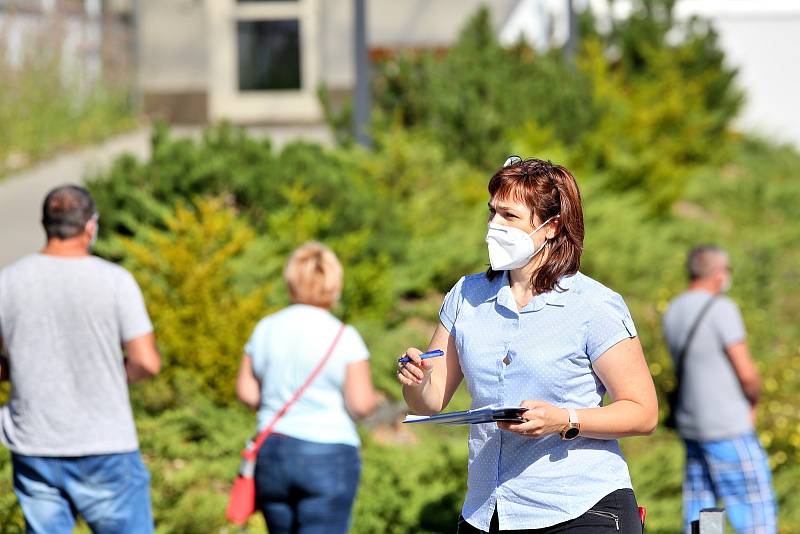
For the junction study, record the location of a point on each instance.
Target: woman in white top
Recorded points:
(307, 470)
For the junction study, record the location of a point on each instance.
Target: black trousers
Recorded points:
(617, 512)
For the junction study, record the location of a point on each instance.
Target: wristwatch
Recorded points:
(573, 428)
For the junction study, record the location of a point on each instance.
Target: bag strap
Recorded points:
(252, 451)
(679, 364)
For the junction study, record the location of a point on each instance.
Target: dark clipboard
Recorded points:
(486, 414)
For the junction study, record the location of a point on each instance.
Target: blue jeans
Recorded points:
(304, 487)
(110, 491)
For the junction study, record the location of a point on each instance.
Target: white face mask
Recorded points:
(511, 248)
(726, 285)
(93, 240)
(94, 237)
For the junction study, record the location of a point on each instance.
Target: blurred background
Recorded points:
(217, 135)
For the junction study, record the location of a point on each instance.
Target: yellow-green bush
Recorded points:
(185, 273)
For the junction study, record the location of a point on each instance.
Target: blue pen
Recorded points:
(425, 355)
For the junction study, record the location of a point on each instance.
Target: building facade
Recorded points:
(261, 61)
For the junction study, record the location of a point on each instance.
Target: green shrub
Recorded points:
(42, 110)
(11, 519)
(637, 113)
(411, 488)
(185, 274)
(368, 206)
(192, 452)
(469, 98)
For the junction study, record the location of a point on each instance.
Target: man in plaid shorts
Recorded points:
(719, 392)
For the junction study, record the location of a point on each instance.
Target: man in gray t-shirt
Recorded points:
(65, 317)
(719, 391)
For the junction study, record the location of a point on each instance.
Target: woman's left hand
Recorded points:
(541, 419)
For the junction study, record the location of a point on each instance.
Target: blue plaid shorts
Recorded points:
(736, 472)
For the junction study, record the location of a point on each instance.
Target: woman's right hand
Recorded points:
(415, 373)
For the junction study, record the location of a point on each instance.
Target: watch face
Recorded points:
(572, 433)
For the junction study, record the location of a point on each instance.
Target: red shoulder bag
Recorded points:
(242, 500)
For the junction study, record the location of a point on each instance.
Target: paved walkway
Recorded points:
(21, 195)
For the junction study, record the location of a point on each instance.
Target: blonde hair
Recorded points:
(313, 275)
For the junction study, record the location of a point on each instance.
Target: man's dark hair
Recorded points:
(66, 211)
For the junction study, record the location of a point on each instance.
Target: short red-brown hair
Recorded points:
(549, 191)
(313, 275)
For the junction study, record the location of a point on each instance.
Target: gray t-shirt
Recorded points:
(712, 405)
(63, 321)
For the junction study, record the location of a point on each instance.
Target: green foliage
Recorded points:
(384, 343)
(42, 110)
(468, 111)
(643, 121)
(656, 467)
(185, 274)
(370, 207)
(651, 39)
(191, 450)
(11, 519)
(666, 106)
(426, 484)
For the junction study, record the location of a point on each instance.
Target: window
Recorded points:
(269, 54)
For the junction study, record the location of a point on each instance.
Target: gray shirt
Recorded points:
(712, 405)
(63, 321)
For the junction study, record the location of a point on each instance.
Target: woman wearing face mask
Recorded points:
(534, 331)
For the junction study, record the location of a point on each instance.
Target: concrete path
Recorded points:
(21, 195)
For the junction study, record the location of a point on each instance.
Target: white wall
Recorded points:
(173, 45)
(762, 43)
(77, 37)
(760, 39)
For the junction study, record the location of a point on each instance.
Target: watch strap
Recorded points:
(572, 428)
(573, 417)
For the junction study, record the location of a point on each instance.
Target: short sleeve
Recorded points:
(250, 346)
(728, 322)
(449, 310)
(251, 349)
(610, 323)
(352, 346)
(131, 310)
